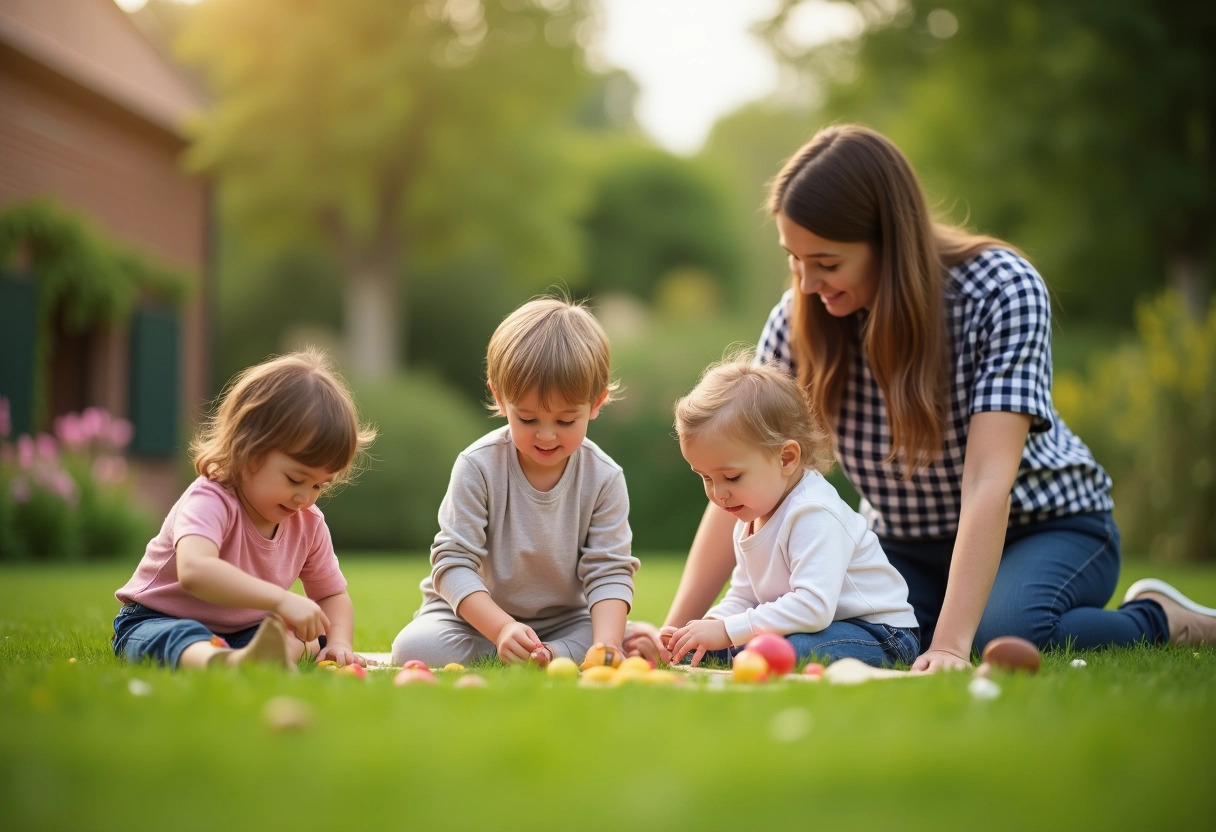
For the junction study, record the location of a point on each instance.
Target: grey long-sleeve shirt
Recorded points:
(542, 555)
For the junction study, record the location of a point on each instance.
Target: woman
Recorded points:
(927, 350)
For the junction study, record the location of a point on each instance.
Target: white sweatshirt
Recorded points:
(812, 563)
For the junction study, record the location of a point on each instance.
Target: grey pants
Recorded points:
(438, 636)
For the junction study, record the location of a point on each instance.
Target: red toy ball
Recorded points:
(777, 651)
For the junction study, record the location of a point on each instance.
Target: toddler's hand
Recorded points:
(516, 642)
(303, 615)
(642, 639)
(343, 655)
(702, 635)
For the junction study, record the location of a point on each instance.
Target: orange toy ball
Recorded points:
(601, 655)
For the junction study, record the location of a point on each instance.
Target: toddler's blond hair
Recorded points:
(756, 404)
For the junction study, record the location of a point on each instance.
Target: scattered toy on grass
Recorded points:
(777, 651)
(601, 655)
(1012, 653)
(749, 667)
(286, 713)
(354, 669)
(982, 687)
(413, 675)
(562, 668)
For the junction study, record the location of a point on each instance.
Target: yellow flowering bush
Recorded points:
(1148, 411)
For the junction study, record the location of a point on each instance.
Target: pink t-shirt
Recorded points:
(301, 549)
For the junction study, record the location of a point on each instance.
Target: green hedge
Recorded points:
(656, 366)
(393, 503)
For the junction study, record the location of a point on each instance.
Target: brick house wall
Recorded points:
(91, 115)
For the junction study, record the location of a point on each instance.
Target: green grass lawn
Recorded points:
(1129, 741)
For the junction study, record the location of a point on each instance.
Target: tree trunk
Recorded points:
(1187, 273)
(373, 328)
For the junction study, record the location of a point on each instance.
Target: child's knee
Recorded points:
(437, 644)
(409, 645)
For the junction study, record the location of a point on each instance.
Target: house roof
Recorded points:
(94, 44)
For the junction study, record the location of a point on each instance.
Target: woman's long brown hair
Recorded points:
(850, 184)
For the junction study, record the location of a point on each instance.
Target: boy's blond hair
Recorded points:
(756, 404)
(296, 404)
(551, 345)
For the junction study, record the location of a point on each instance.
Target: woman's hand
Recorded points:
(933, 660)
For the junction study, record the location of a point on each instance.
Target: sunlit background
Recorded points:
(186, 188)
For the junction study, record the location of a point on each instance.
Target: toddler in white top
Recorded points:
(806, 565)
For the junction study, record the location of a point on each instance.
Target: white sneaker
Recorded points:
(1190, 623)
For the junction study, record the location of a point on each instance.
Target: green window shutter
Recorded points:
(155, 347)
(18, 337)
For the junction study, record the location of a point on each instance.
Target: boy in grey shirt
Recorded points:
(532, 559)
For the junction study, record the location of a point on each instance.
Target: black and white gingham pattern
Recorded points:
(999, 315)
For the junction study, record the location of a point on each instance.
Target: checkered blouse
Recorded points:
(999, 315)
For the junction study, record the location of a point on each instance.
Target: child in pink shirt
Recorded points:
(213, 587)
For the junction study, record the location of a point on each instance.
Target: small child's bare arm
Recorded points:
(204, 575)
(516, 641)
(339, 637)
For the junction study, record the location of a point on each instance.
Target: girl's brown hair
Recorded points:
(850, 184)
(755, 404)
(296, 404)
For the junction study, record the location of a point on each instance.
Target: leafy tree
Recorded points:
(398, 135)
(653, 213)
(746, 149)
(1084, 131)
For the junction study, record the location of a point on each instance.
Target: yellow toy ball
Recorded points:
(563, 668)
(597, 675)
(748, 666)
(601, 655)
(637, 663)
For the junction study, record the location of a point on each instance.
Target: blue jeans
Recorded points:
(1054, 579)
(141, 632)
(878, 645)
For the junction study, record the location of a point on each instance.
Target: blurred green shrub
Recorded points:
(394, 502)
(659, 359)
(1148, 411)
(651, 213)
(66, 496)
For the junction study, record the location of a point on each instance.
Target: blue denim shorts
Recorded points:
(878, 645)
(143, 633)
